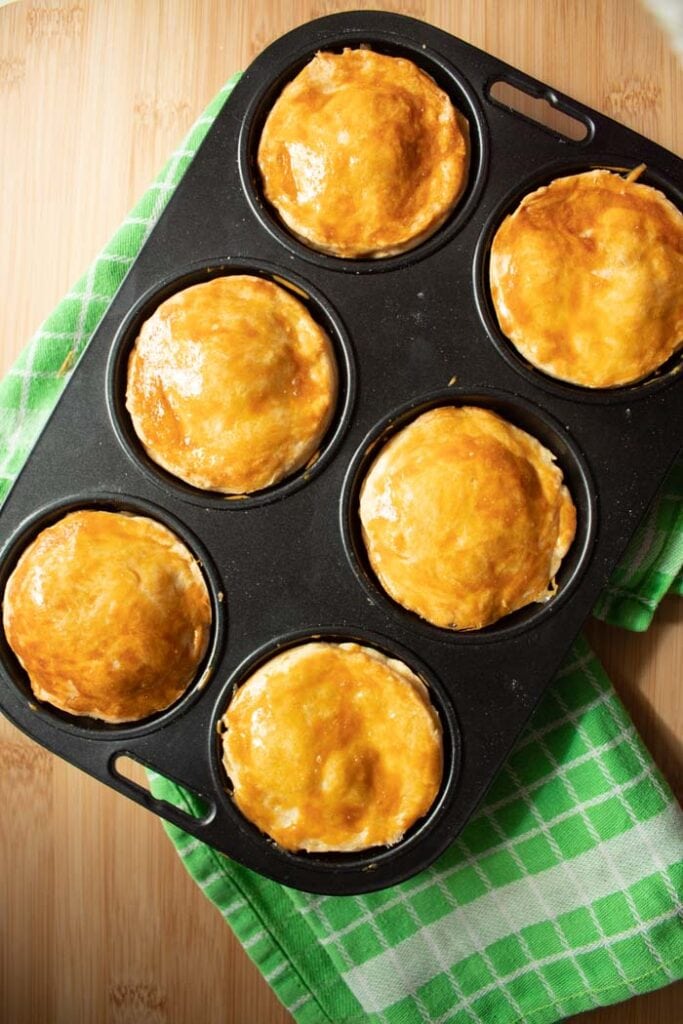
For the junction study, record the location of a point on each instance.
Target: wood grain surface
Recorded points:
(99, 924)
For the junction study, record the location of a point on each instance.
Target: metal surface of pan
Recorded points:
(285, 565)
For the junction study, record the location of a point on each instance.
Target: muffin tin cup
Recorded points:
(82, 725)
(521, 414)
(653, 382)
(198, 273)
(286, 66)
(419, 842)
(289, 559)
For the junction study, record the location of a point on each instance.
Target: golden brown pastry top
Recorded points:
(333, 747)
(587, 279)
(109, 615)
(232, 384)
(465, 517)
(363, 154)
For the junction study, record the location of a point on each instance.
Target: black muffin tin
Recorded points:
(410, 332)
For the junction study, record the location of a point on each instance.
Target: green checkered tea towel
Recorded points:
(564, 891)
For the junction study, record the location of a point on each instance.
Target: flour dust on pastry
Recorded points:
(108, 614)
(587, 279)
(465, 518)
(363, 155)
(333, 747)
(232, 384)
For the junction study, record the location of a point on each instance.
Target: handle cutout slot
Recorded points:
(542, 108)
(136, 776)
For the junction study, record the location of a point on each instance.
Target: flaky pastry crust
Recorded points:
(232, 384)
(333, 747)
(363, 155)
(109, 615)
(587, 279)
(465, 517)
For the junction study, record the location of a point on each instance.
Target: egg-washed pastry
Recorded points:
(333, 747)
(108, 614)
(232, 384)
(587, 279)
(465, 517)
(363, 155)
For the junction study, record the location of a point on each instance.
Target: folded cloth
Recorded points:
(563, 892)
(651, 567)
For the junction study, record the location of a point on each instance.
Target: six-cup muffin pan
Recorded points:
(411, 332)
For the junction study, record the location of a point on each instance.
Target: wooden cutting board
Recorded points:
(99, 924)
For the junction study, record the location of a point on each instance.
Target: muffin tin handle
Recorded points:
(137, 791)
(565, 116)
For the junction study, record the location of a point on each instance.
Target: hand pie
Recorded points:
(587, 279)
(333, 747)
(232, 385)
(108, 614)
(465, 518)
(363, 154)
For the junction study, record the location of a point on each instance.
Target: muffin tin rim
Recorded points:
(126, 504)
